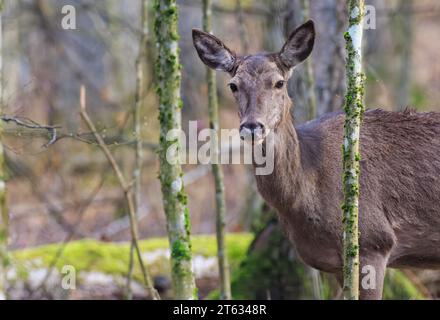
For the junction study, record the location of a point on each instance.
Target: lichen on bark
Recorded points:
(354, 109)
(168, 77)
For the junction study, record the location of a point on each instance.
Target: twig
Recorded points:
(33, 125)
(126, 187)
(128, 293)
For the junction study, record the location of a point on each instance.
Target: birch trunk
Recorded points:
(168, 79)
(223, 265)
(353, 114)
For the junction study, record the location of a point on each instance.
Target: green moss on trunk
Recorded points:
(168, 78)
(354, 109)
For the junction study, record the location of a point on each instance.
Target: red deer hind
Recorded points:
(400, 168)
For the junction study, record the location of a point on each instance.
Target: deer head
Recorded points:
(258, 81)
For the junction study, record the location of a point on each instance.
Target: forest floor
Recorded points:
(100, 268)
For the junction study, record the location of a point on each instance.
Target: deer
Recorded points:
(399, 205)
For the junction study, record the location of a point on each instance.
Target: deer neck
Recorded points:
(285, 187)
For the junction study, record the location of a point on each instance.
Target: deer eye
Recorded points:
(233, 87)
(279, 84)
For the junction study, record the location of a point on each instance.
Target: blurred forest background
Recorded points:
(66, 191)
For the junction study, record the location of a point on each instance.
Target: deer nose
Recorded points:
(254, 130)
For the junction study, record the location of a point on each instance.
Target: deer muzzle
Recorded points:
(253, 132)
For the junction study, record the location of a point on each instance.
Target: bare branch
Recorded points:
(127, 192)
(27, 123)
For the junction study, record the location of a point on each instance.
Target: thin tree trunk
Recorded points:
(308, 74)
(168, 79)
(223, 265)
(309, 81)
(4, 216)
(329, 60)
(241, 26)
(137, 125)
(117, 48)
(354, 109)
(404, 28)
(139, 104)
(128, 292)
(302, 86)
(274, 38)
(151, 48)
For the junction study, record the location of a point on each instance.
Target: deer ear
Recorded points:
(213, 52)
(299, 45)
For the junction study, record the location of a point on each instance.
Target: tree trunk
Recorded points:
(328, 54)
(241, 26)
(404, 31)
(223, 265)
(114, 8)
(309, 79)
(302, 84)
(141, 86)
(168, 79)
(137, 126)
(354, 109)
(4, 216)
(274, 38)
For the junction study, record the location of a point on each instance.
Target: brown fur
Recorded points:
(400, 193)
(399, 187)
